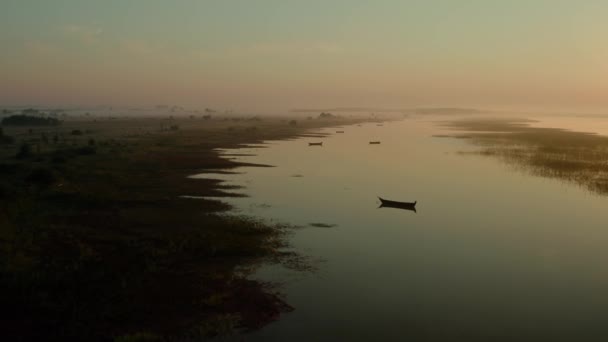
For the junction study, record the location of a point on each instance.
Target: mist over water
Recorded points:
(492, 253)
(468, 207)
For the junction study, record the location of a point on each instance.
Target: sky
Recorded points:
(276, 55)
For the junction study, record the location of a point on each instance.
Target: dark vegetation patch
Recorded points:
(322, 225)
(28, 120)
(5, 139)
(97, 245)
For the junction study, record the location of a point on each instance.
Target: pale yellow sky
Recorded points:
(275, 55)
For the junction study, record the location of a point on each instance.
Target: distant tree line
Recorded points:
(27, 120)
(326, 115)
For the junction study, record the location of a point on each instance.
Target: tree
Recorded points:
(27, 120)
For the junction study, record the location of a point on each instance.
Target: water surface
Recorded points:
(492, 253)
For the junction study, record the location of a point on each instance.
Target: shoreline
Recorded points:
(109, 229)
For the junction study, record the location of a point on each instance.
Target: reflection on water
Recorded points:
(499, 255)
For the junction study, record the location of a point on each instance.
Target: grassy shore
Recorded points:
(97, 243)
(577, 157)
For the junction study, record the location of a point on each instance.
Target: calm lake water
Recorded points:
(493, 253)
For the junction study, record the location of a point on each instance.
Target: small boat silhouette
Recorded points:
(374, 143)
(397, 205)
(339, 131)
(315, 144)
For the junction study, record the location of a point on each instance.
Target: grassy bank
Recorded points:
(96, 243)
(577, 157)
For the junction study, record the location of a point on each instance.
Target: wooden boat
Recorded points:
(374, 143)
(315, 144)
(397, 205)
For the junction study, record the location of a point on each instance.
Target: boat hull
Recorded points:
(397, 205)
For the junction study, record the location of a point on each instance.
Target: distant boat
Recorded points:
(379, 125)
(315, 144)
(374, 143)
(339, 131)
(398, 205)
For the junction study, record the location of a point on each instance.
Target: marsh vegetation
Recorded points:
(97, 241)
(577, 157)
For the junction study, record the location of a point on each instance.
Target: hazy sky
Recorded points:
(273, 55)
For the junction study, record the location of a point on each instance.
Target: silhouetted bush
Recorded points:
(25, 151)
(5, 191)
(76, 132)
(59, 159)
(26, 120)
(87, 150)
(41, 177)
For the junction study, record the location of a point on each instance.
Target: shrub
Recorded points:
(76, 132)
(25, 150)
(326, 115)
(58, 159)
(41, 177)
(87, 150)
